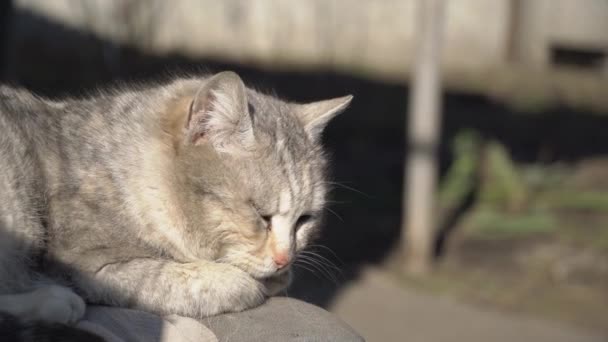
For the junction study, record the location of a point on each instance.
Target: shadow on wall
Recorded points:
(366, 143)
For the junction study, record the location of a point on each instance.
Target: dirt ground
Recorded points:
(381, 309)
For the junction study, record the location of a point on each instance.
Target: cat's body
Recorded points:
(191, 197)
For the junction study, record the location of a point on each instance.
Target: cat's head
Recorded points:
(253, 173)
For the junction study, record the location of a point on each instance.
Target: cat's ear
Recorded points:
(315, 116)
(219, 114)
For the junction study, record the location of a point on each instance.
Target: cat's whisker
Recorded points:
(335, 202)
(321, 272)
(313, 246)
(323, 260)
(328, 270)
(348, 188)
(312, 271)
(320, 258)
(324, 263)
(320, 267)
(301, 262)
(335, 214)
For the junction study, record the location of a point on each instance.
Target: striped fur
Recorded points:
(190, 197)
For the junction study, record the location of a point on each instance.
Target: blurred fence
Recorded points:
(534, 53)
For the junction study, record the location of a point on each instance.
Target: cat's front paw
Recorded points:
(233, 290)
(274, 285)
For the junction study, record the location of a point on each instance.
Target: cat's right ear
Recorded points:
(315, 116)
(219, 114)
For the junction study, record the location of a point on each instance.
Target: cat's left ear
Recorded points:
(219, 114)
(315, 116)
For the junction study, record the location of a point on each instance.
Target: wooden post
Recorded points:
(516, 31)
(423, 139)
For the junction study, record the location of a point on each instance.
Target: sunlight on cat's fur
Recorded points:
(192, 197)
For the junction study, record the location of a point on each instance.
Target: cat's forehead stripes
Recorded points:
(285, 200)
(292, 192)
(293, 178)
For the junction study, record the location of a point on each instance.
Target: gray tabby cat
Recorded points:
(192, 198)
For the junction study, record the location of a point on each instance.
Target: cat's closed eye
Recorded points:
(303, 219)
(264, 217)
(267, 221)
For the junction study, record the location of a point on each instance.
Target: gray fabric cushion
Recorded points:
(279, 319)
(124, 325)
(282, 319)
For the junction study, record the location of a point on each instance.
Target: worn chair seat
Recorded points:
(279, 319)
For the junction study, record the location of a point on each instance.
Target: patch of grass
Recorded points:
(572, 200)
(601, 240)
(488, 223)
(545, 177)
(460, 177)
(503, 186)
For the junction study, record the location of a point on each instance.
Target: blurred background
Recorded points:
(508, 236)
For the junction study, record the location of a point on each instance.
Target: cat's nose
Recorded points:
(281, 259)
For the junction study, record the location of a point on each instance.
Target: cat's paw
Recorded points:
(274, 285)
(246, 292)
(56, 304)
(220, 288)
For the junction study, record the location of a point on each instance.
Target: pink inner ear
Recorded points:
(196, 138)
(189, 118)
(195, 124)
